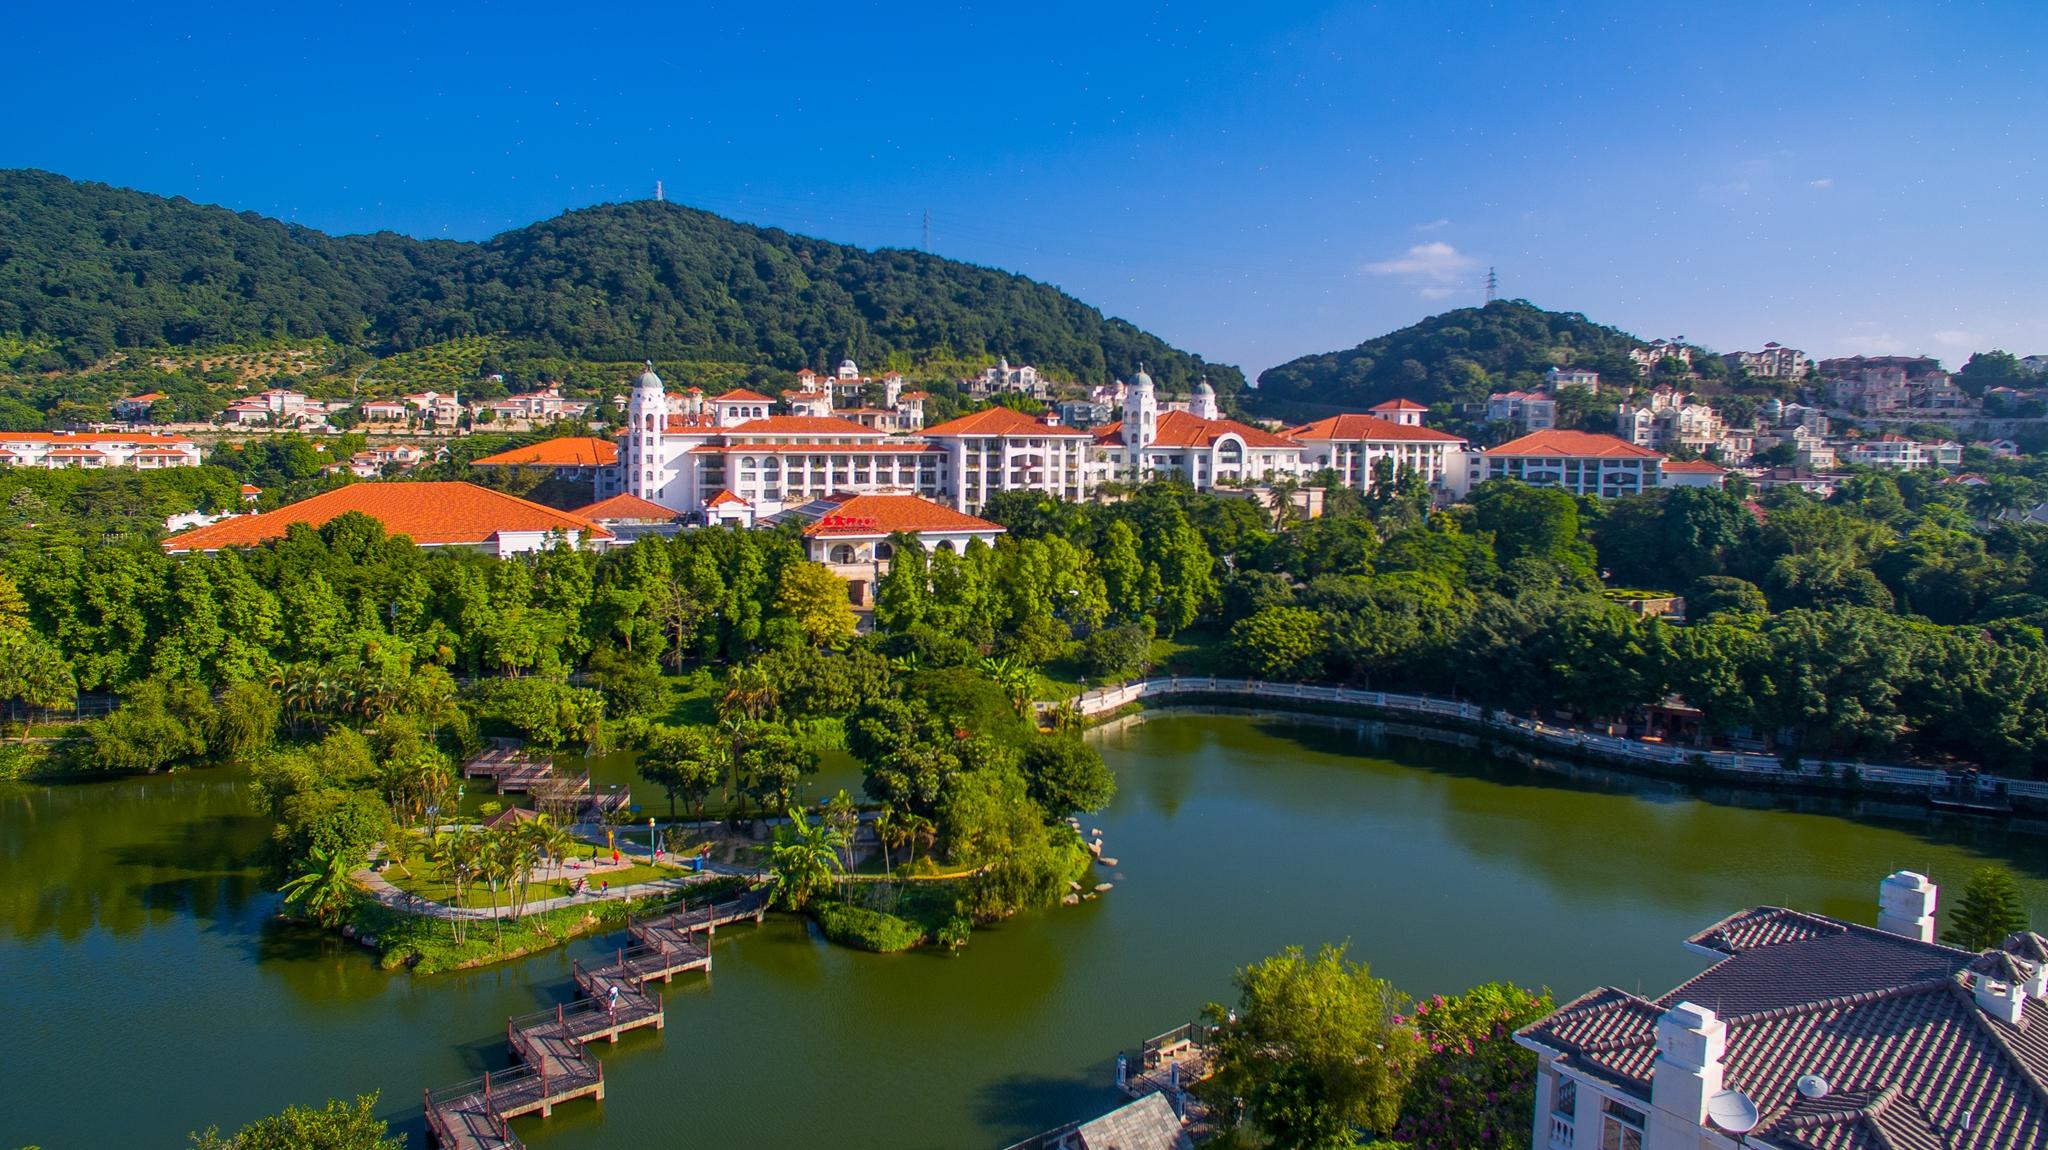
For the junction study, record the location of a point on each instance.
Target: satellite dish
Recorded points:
(1731, 1110)
(1812, 1086)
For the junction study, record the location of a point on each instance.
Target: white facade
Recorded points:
(60, 450)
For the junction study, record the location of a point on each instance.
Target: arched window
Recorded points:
(945, 545)
(885, 551)
(842, 553)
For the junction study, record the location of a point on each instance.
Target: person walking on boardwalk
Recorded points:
(615, 999)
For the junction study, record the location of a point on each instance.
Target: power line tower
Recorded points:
(1492, 285)
(657, 191)
(927, 231)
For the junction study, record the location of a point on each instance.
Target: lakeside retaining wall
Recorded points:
(1744, 766)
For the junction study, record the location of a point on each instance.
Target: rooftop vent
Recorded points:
(1812, 1086)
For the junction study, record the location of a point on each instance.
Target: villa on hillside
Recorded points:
(855, 535)
(1809, 1033)
(1578, 461)
(61, 450)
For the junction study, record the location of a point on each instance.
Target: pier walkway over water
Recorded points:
(515, 771)
(552, 1064)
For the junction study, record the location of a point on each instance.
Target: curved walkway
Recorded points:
(1767, 769)
(381, 889)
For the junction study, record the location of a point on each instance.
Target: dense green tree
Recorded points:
(1989, 909)
(336, 1126)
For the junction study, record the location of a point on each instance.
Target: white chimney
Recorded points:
(1690, 1043)
(1905, 905)
(1999, 996)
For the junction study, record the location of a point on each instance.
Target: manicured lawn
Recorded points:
(425, 884)
(1192, 652)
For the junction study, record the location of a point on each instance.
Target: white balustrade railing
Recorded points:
(1106, 699)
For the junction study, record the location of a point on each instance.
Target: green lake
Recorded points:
(152, 991)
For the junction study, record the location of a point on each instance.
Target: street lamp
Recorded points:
(652, 849)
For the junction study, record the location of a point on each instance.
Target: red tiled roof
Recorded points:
(724, 497)
(1554, 442)
(1691, 467)
(145, 397)
(741, 395)
(803, 425)
(431, 514)
(888, 514)
(569, 451)
(624, 506)
(1399, 405)
(1351, 427)
(1185, 429)
(1000, 421)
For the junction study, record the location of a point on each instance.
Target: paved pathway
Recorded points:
(383, 891)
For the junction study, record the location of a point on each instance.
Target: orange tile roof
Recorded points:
(624, 506)
(1185, 429)
(724, 497)
(999, 421)
(1577, 443)
(1352, 426)
(803, 425)
(1399, 405)
(888, 514)
(146, 397)
(431, 514)
(741, 395)
(1692, 467)
(569, 451)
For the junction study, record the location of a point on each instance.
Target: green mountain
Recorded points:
(1454, 357)
(94, 268)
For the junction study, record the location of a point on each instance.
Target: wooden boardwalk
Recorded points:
(514, 771)
(554, 1064)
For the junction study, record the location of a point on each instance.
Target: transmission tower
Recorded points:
(1492, 285)
(927, 231)
(657, 191)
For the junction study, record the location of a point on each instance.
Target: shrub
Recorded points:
(865, 929)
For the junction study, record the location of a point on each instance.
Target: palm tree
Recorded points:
(920, 829)
(555, 839)
(1015, 677)
(803, 860)
(892, 830)
(458, 857)
(750, 692)
(323, 889)
(845, 818)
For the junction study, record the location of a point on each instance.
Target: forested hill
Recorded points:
(1457, 356)
(95, 268)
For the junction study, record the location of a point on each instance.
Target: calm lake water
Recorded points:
(151, 990)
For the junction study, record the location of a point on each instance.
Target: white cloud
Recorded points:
(1436, 262)
(1823, 183)
(1433, 225)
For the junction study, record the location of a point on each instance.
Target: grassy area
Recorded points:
(1192, 652)
(428, 945)
(430, 886)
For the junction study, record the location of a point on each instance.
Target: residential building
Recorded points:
(1775, 361)
(2001, 448)
(135, 408)
(1669, 421)
(531, 407)
(277, 407)
(1562, 377)
(1526, 410)
(1148, 1123)
(435, 408)
(385, 411)
(59, 450)
(1874, 385)
(1647, 358)
(376, 461)
(1085, 413)
(855, 535)
(1580, 462)
(628, 517)
(1022, 379)
(430, 514)
(1694, 473)
(1004, 450)
(1808, 1033)
(573, 458)
(1354, 446)
(1893, 451)
(2034, 364)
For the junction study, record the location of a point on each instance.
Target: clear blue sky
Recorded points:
(1253, 181)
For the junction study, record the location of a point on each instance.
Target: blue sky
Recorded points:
(1251, 181)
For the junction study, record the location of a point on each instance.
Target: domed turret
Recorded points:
(646, 420)
(1141, 420)
(1204, 404)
